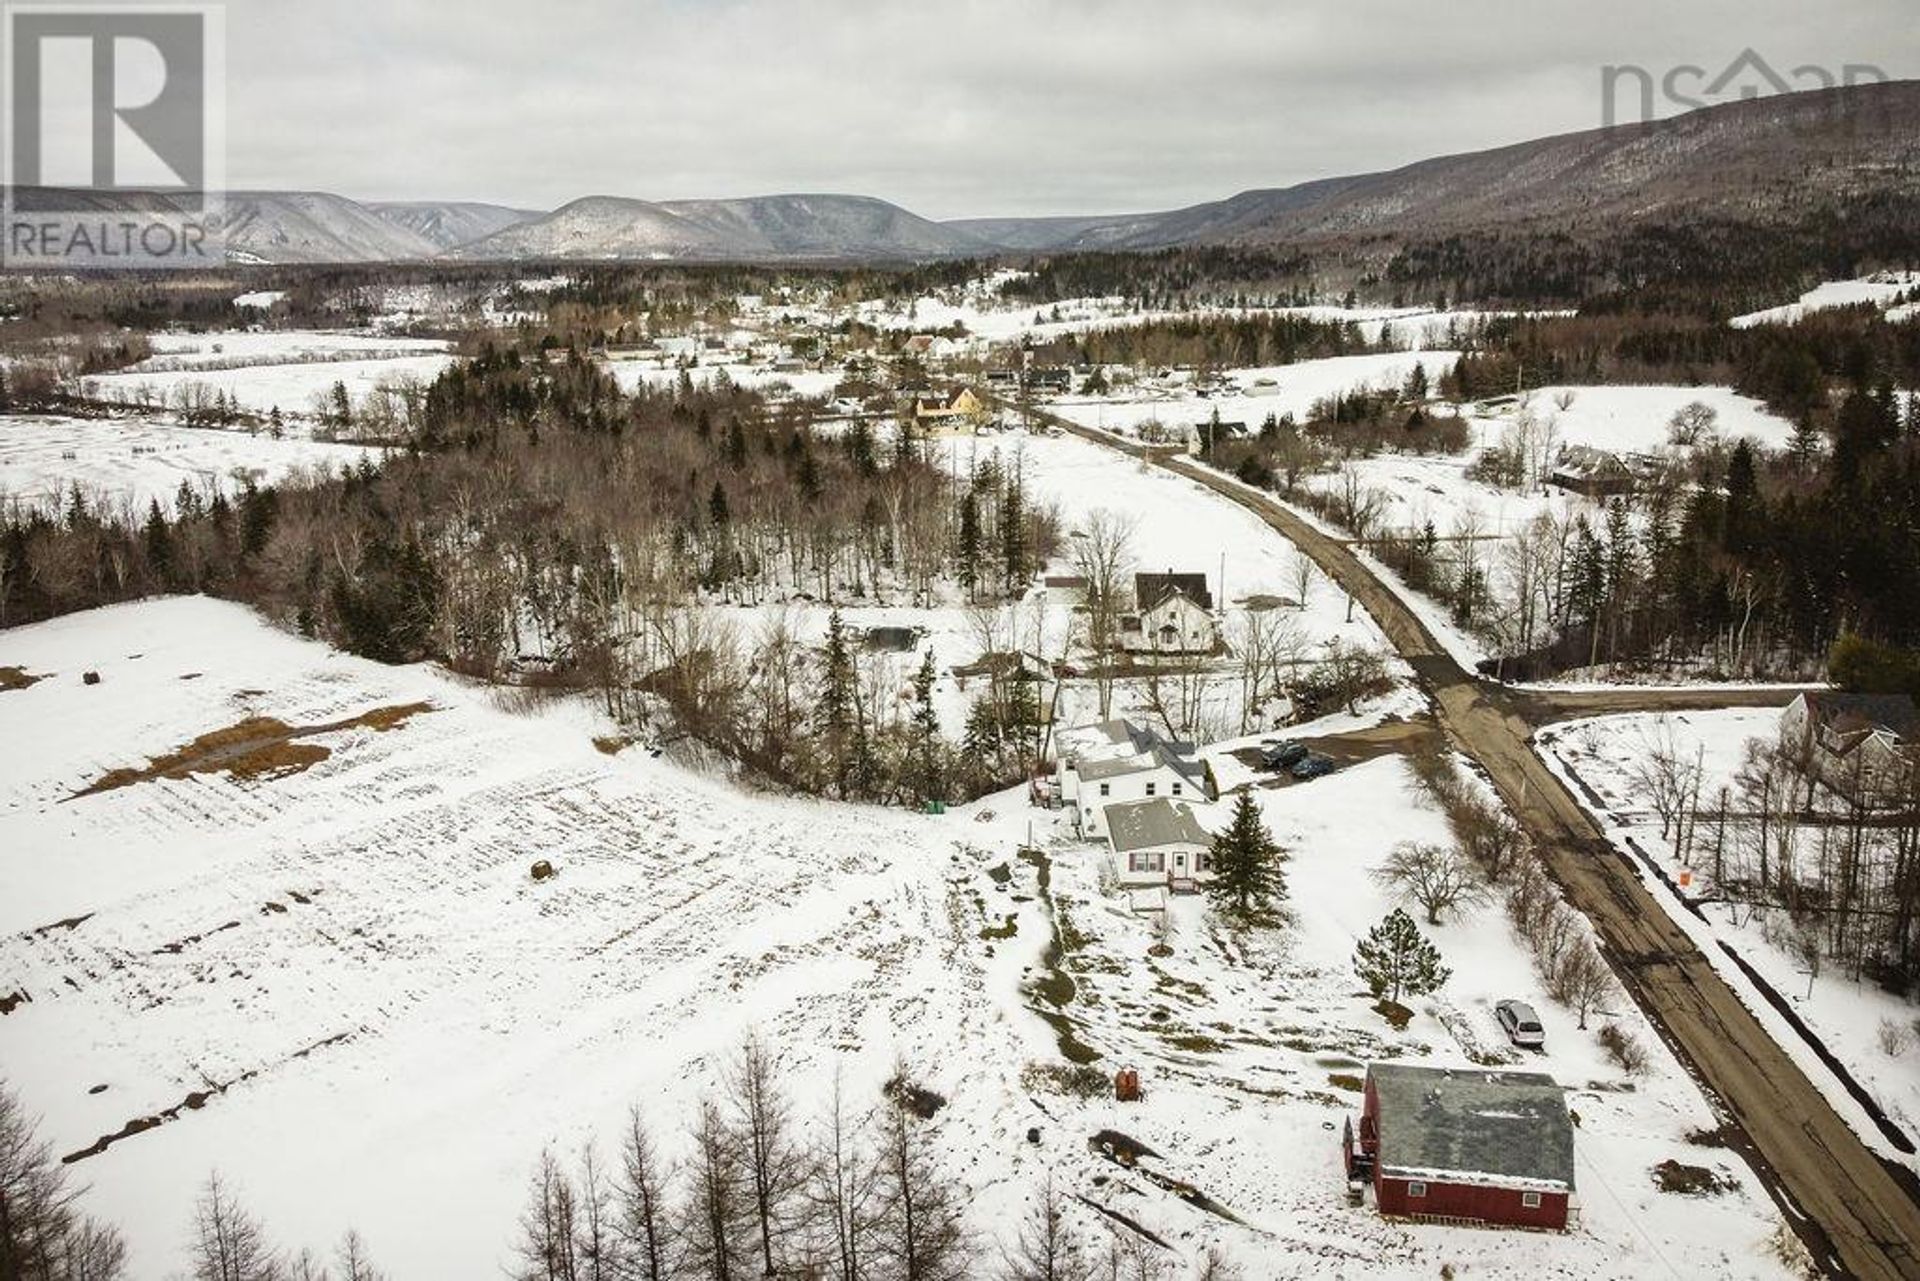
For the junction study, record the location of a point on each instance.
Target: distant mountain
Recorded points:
(448, 224)
(313, 226)
(759, 227)
(1763, 160)
(1789, 160)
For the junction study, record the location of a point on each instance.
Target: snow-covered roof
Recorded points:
(1469, 1125)
(1150, 824)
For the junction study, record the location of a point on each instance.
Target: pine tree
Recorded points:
(1396, 960)
(969, 551)
(1013, 535)
(926, 733)
(159, 542)
(836, 699)
(1248, 883)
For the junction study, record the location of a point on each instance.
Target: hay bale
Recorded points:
(90, 678)
(542, 870)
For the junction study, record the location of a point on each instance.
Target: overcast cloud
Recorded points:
(956, 109)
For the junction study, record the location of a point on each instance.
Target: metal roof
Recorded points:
(1470, 1125)
(1148, 824)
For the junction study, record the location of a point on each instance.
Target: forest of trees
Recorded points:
(540, 525)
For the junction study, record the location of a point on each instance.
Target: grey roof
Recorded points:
(1150, 589)
(1157, 756)
(1470, 1125)
(1144, 825)
(1848, 713)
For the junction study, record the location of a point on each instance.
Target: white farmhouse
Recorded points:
(1175, 616)
(1120, 761)
(1157, 843)
(1865, 742)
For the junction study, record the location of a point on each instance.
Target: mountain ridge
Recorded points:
(1760, 161)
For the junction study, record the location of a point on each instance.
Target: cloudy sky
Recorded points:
(962, 108)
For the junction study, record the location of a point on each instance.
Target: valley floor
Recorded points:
(333, 974)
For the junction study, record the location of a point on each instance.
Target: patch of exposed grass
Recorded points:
(1394, 1013)
(1005, 930)
(259, 747)
(613, 744)
(1000, 873)
(1690, 1180)
(1196, 1043)
(17, 678)
(1346, 1081)
(1074, 1079)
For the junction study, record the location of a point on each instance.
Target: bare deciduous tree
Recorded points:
(773, 1165)
(228, 1243)
(1047, 1248)
(1437, 877)
(645, 1222)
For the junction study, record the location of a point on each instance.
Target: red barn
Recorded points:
(1464, 1145)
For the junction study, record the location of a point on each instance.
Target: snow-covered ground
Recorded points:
(264, 370)
(1599, 754)
(136, 460)
(1625, 419)
(292, 388)
(1878, 289)
(173, 350)
(389, 1018)
(1178, 525)
(1278, 390)
(634, 373)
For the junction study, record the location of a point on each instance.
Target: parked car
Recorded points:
(1282, 754)
(1313, 765)
(1521, 1024)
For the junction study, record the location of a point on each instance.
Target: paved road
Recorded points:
(1859, 1215)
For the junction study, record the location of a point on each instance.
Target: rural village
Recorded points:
(1035, 763)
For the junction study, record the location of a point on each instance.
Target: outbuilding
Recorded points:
(1464, 1145)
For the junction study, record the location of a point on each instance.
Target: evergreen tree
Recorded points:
(836, 700)
(1248, 884)
(1396, 960)
(926, 733)
(969, 550)
(159, 543)
(1013, 535)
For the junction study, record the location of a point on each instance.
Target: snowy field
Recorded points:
(1179, 525)
(223, 348)
(292, 388)
(1634, 419)
(1278, 390)
(266, 370)
(137, 460)
(1877, 290)
(630, 374)
(1846, 1015)
(387, 1018)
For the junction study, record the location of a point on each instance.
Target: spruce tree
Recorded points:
(1248, 883)
(836, 699)
(1396, 960)
(969, 552)
(926, 732)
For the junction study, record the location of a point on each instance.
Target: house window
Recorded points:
(1150, 787)
(1199, 861)
(1176, 789)
(1416, 1189)
(1106, 789)
(1530, 1200)
(1146, 861)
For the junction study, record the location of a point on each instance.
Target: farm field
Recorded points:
(134, 461)
(344, 954)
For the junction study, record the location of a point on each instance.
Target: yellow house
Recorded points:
(958, 411)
